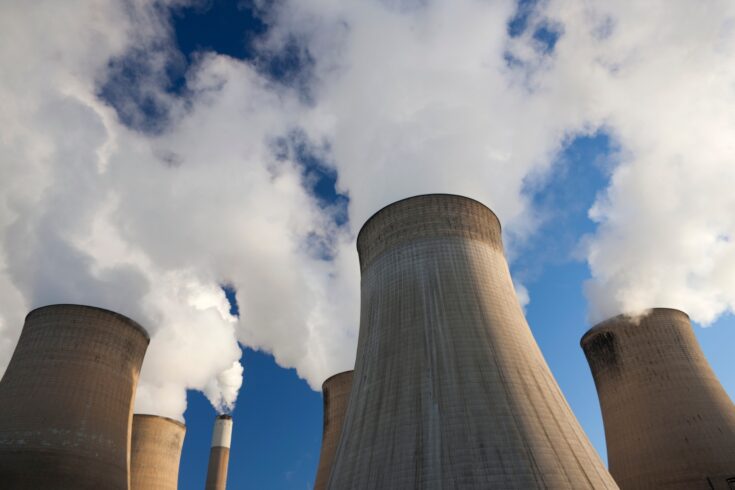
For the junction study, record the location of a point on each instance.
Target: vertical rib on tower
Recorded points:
(450, 389)
(155, 452)
(219, 455)
(66, 400)
(336, 392)
(668, 421)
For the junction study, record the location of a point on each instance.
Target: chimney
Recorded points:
(66, 400)
(219, 455)
(155, 452)
(336, 392)
(668, 421)
(450, 389)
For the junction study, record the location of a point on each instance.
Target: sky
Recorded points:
(204, 167)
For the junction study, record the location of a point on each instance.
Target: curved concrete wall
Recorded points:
(66, 400)
(155, 452)
(336, 392)
(450, 389)
(668, 421)
(219, 454)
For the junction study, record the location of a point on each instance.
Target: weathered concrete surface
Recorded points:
(336, 393)
(219, 455)
(66, 400)
(668, 421)
(155, 452)
(450, 390)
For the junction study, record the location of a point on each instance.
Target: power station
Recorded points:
(668, 421)
(450, 389)
(66, 400)
(336, 392)
(155, 452)
(219, 454)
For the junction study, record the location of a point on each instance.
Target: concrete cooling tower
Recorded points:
(450, 390)
(66, 400)
(155, 452)
(336, 392)
(668, 421)
(219, 455)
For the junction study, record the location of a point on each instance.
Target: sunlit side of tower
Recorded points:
(450, 389)
(66, 400)
(155, 452)
(219, 455)
(668, 421)
(336, 392)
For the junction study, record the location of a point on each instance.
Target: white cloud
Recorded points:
(402, 98)
(662, 77)
(151, 225)
(421, 99)
(225, 387)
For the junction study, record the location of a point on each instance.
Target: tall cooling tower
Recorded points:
(450, 389)
(155, 452)
(668, 421)
(336, 392)
(66, 400)
(219, 455)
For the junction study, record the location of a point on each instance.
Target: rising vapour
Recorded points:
(103, 204)
(223, 389)
(661, 76)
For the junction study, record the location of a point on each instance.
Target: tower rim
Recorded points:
(612, 322)
(427, 216)
(335, 375)
(373, 217)
(120, 316)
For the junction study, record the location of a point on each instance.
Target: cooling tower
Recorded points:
(66, 400)
(450, 389)
(155, 452)
(668, 421)
(336, 392)
(219, 455)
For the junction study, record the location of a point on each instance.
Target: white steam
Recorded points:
(399, 98)
(662, 78)
(417, 97)
(224, 388)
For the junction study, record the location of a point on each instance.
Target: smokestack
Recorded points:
(668, 421)
(155, 452)
(219, 456)
(336, 392)
(66, 400)
(450, 389)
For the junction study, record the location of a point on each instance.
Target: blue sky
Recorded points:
(277, 427)
(156, 155)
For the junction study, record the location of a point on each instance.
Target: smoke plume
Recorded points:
(661, 75)
(143, 199)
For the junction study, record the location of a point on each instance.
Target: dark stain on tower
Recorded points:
(668, 421)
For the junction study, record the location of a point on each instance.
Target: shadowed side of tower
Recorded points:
(450, 390)
(155, 452)
(336, 392)
(66, 400)
(668, 421)
(219, 455)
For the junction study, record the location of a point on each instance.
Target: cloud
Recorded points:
(118, 192)
(661, 75)
(65, 160)
(225, 387)
(101, 208)
(430, 104)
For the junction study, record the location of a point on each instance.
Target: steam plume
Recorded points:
(148, 216)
